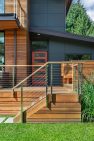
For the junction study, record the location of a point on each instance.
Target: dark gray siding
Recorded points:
(47, 14)
(58, 49)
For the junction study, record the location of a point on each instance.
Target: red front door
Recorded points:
(39, 58)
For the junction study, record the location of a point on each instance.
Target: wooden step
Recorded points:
(52, 120)
(66, 105)
(15, 104)
(61, 108)
(8, 113)
(58, 111)
(65, 98)
(31, 94)
(10, 108)
(16, 99)
(56, 116)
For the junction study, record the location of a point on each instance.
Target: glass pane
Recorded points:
(39, 54)
(39, 45)
(1, 6)
(39, 61)
(1, 37)
(2, 49)
(69, 57)
(1, 59)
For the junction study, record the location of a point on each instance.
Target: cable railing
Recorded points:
(44, 81)
(82, 72)
(11, 75)
(32, 83)
(15, 7)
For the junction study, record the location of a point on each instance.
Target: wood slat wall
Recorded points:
(9, 47)
(9, 5)
(21, 52)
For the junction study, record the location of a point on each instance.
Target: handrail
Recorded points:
(20, 65)
(28, 77)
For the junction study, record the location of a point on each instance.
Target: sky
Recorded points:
(89, 5)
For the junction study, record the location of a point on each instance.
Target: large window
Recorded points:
(69, 57)
(39, 45)
(1, 48)
(2, 6)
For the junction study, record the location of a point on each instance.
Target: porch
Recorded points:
(35, 90)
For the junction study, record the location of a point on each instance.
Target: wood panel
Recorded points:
(10, 104)
(6, 24)
(21, 53)
(9, 6)
(9, 47)
(66, 108)
(67, 70)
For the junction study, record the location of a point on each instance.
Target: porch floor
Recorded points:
(56, 89)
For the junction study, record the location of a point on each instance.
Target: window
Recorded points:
(1, 48)
(39, 45)
(69, 57)
(1, 6)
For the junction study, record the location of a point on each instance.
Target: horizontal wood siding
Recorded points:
(9, 6)
(21, 53)
(9, 47)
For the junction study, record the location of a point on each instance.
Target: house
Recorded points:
(32, 33)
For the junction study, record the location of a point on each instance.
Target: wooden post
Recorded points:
(22, 118)
(13, 76)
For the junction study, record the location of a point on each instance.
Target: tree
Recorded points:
(78, 22)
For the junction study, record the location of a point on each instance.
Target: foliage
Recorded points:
(87, 100)
(78, 22)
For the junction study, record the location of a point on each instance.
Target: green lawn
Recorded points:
(47, 132)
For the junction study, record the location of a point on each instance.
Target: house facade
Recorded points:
(28, 27)
(33, 32)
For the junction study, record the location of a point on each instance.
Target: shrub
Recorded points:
(87, 100)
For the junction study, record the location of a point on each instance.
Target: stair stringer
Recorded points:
(32, 109)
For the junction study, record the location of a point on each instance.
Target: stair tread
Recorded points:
(75, 115)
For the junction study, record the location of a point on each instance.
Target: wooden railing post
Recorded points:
(13, 76)
(22, 116)
(79, 79)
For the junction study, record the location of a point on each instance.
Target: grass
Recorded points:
(47, 132)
